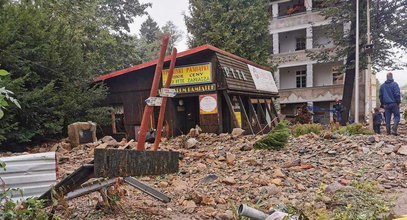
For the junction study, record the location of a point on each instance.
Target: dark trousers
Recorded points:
(376, 128)
(389, 110)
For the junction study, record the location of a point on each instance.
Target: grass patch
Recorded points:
(353, 129)
(302, 129)
(276, 139)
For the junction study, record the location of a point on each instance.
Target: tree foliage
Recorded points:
(237, 26)
(53, 50)
(151, 36)
(388, 31)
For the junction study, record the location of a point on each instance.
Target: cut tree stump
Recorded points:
(124, 163)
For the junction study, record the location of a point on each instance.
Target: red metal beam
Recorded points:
(164, 103)
(148, 110)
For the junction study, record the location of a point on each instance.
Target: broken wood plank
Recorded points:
(230, 107)
(147, 189)
(127, 145)
(123, 163)
(70, 183)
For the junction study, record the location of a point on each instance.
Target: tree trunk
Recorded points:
(350, 72)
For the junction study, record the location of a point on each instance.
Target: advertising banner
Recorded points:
(189, 75)
(208, 104)
(263, 79)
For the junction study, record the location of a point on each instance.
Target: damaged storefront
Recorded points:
(215, 90)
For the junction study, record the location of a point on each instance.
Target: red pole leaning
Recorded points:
(164, 103)
(153, 93)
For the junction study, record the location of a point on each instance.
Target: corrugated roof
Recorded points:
(32, 174)
(179, 55)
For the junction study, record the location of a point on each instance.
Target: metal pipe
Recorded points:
(251, 213)
(357, 65)
(164, 103)
(369, 104)
(148, 110)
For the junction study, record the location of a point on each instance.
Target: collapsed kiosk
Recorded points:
(216, 90)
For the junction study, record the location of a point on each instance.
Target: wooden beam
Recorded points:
(270, 113)
(255, 114)
(262, 111)
(230, 107)
(273, 109)
(245, 114)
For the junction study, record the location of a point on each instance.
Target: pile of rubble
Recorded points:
(219, 172)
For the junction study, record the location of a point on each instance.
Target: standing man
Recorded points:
(390, 100)
(339, 109)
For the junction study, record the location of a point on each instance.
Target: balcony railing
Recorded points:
(311, 94)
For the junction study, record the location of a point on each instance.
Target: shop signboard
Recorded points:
(195, 88)
(189, 75)
(208, 104)
(263, 79)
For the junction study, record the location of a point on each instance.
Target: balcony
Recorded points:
(311, 94)
(295, 21)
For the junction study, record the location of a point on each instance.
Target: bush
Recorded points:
(301, 129)
(353, 129)
(276, 139)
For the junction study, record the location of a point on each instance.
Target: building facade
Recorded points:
(297, 30)
(216, 90)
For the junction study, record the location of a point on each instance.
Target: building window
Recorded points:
(337, 76)
(301, 77)
(300, 43)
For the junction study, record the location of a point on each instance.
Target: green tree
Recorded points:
(388, 32)
(237, 26)
(149, 30)
(54, 49)
(148, 50)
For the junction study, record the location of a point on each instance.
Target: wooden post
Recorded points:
(245, 114)
(255, 114)
(269, 111)
(230, 107)
(148, 110)
(262, 111)
(164, 103)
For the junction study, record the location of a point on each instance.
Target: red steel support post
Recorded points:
(164, 103)
(148, 110)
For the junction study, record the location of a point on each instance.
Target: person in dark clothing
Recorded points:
(339, 109)
(390, 99)
(377, 120)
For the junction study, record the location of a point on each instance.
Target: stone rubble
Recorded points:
(219, 172)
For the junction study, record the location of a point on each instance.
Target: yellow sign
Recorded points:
(239, 118)
(189, 75)
(196, 88)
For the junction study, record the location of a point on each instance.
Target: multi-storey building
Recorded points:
(297, 29)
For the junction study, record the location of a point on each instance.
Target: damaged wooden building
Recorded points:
(216, 90)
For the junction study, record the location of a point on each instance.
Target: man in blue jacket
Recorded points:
(390, 100)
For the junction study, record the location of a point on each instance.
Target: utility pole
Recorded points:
(357, 65)
(368, 87)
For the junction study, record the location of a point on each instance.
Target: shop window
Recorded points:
(301, 78)
(338, 76)
(118, 120)
(300, 43)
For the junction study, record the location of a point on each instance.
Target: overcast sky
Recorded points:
(172, 10)
(163, 11)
